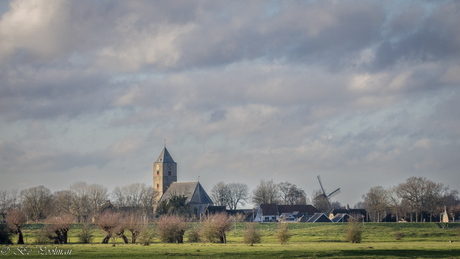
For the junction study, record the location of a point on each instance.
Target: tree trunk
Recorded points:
(106, 239)
(20, 238)
(223, 238)
(125, 239)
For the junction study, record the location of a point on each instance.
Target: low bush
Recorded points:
(171, 229)
(5, 235)
(194, 235)
(42, 236)
(215, 227)
(86, 234)
(398, 235)
(145, 237)
(282, 234)
(251, 235)
(354, 232)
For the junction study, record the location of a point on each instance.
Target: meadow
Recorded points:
(420, 240)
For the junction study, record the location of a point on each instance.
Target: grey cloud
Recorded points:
(48, 92)
(434, 39)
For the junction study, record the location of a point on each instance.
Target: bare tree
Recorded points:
(80, 205)
(134, 224)
(62, 202)
(266, 192)
(239, 194)
(138, 197)
(15, 219)
(220, 194)
(421, 194)
(230, 195)
(8, 200)
(171, 228)
(147, 197)
(433, 197)
(394, 203)
(290, 194)
(320, 202)
(377, 200)
(108, 222)
(37, 202)
(60, 226)
(360, 205)
(97, 196)
(452, 202)
(215, 227)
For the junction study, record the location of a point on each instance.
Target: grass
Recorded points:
(421, 240)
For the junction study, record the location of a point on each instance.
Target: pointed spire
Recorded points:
(165, 157)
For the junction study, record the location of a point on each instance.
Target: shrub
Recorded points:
(194, 235)
(282, 234)
(5, 235)
(354, 232)
(109, 222)
(251, 235)
(145, 237)
(398, 235)
(86, 234)
(15, 220)
(59, 227)
(42, 236)
(171, 229)
(215, 227)
(134, 225)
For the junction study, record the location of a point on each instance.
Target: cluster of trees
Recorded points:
(83, 201)
(410, 199)
(230, 195)
(284, 193)
(267, 192)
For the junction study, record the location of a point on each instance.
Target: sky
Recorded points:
(362, 93)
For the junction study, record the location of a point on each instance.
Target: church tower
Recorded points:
(164, 173)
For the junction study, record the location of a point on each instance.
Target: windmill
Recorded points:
(327, 196)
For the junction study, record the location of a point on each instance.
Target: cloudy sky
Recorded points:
(363, 93)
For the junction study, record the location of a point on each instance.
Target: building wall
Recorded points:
(164, 174)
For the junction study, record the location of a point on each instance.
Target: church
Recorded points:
(166, 185)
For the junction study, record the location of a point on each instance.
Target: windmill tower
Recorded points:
(328, 196)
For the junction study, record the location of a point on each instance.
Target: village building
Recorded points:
(291, 213)
(359, 214)
(165, 185)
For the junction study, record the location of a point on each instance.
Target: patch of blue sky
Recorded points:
(272, 8)
(133, 77)
(4, 7)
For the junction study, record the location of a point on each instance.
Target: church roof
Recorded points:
(193, 190)
(165, 157)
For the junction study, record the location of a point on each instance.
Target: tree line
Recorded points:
(81, 200)
(410, 199)
(267, 192)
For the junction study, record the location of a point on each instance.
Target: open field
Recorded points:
(421, 240)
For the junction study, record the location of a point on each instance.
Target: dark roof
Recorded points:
(193, 190)
(165, 157)
(341, 217)
(309, 209)
(107, 207)
(349, 211)
(269, 209)
(216, 209)
(319, 217)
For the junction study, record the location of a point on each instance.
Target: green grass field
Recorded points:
(421, 240)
